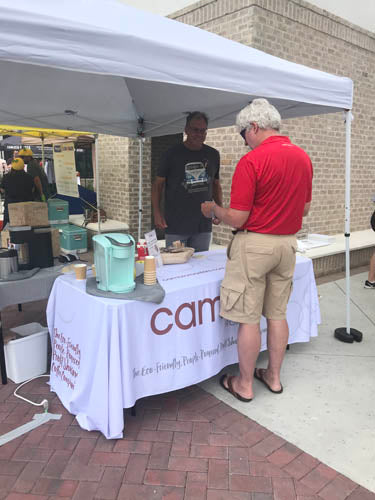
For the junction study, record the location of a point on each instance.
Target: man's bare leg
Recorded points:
(371, 273)
(277, 340)
(248, 346)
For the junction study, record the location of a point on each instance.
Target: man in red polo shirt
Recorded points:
(270, 194)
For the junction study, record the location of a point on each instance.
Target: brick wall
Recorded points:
(114, 181)
(299, 32)
(336, 263)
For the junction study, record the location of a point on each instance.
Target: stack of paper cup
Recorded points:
(80, 270)
(149, 275)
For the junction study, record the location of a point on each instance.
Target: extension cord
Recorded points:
(44, 403)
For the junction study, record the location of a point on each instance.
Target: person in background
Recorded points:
(9, 164)
(270, 193)
(49, 170)
(370, 282)
(3, 170)
(3, 165)
(37, 173)
(189, 172)
(17, 186)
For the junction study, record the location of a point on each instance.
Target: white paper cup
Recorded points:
(150, 263)
(80, 270)
(149, 278)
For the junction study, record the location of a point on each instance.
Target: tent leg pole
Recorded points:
(347, 334)
(348, 119)
(43, 153)
(140, 188)
(97, 181)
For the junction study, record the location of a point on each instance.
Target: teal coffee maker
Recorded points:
(114, 262)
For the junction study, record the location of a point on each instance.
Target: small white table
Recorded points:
(109, 353)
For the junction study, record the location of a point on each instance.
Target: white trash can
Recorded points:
(26, 357)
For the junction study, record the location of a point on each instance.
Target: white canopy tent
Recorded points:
(102, 66)
(99, 65)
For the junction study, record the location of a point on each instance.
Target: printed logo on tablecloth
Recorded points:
(66, 359)
(163, 318)
(183, 317)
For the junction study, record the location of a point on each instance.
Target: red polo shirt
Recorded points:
(273, 182)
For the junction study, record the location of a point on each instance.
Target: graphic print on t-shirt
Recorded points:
(196, 176)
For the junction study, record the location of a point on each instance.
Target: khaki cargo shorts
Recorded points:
(258, 277)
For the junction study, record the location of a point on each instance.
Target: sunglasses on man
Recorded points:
(247, 129)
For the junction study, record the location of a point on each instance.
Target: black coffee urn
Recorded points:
(35, 248)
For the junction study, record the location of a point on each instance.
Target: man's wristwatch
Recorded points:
(213, 216)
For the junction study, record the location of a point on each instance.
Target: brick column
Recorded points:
(119, 180)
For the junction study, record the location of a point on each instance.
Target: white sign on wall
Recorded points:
(65, 169)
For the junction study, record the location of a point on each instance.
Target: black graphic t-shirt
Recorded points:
(189, 177)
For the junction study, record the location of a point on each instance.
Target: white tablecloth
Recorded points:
(108, 353)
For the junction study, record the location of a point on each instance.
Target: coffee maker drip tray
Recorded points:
(20, 275)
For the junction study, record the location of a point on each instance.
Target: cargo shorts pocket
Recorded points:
(259, 250)
(232, 296)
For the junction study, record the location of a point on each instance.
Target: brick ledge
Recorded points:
(358, 240)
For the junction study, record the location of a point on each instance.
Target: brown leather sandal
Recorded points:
(258, 374)
(230, 389)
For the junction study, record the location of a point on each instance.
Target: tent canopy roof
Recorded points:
(104, 66)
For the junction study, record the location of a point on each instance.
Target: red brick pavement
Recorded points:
(184, 445)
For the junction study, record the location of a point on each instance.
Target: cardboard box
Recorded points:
(5, 239)
(29, 213)
(55, 239)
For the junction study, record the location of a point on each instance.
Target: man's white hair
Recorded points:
(261, 112)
